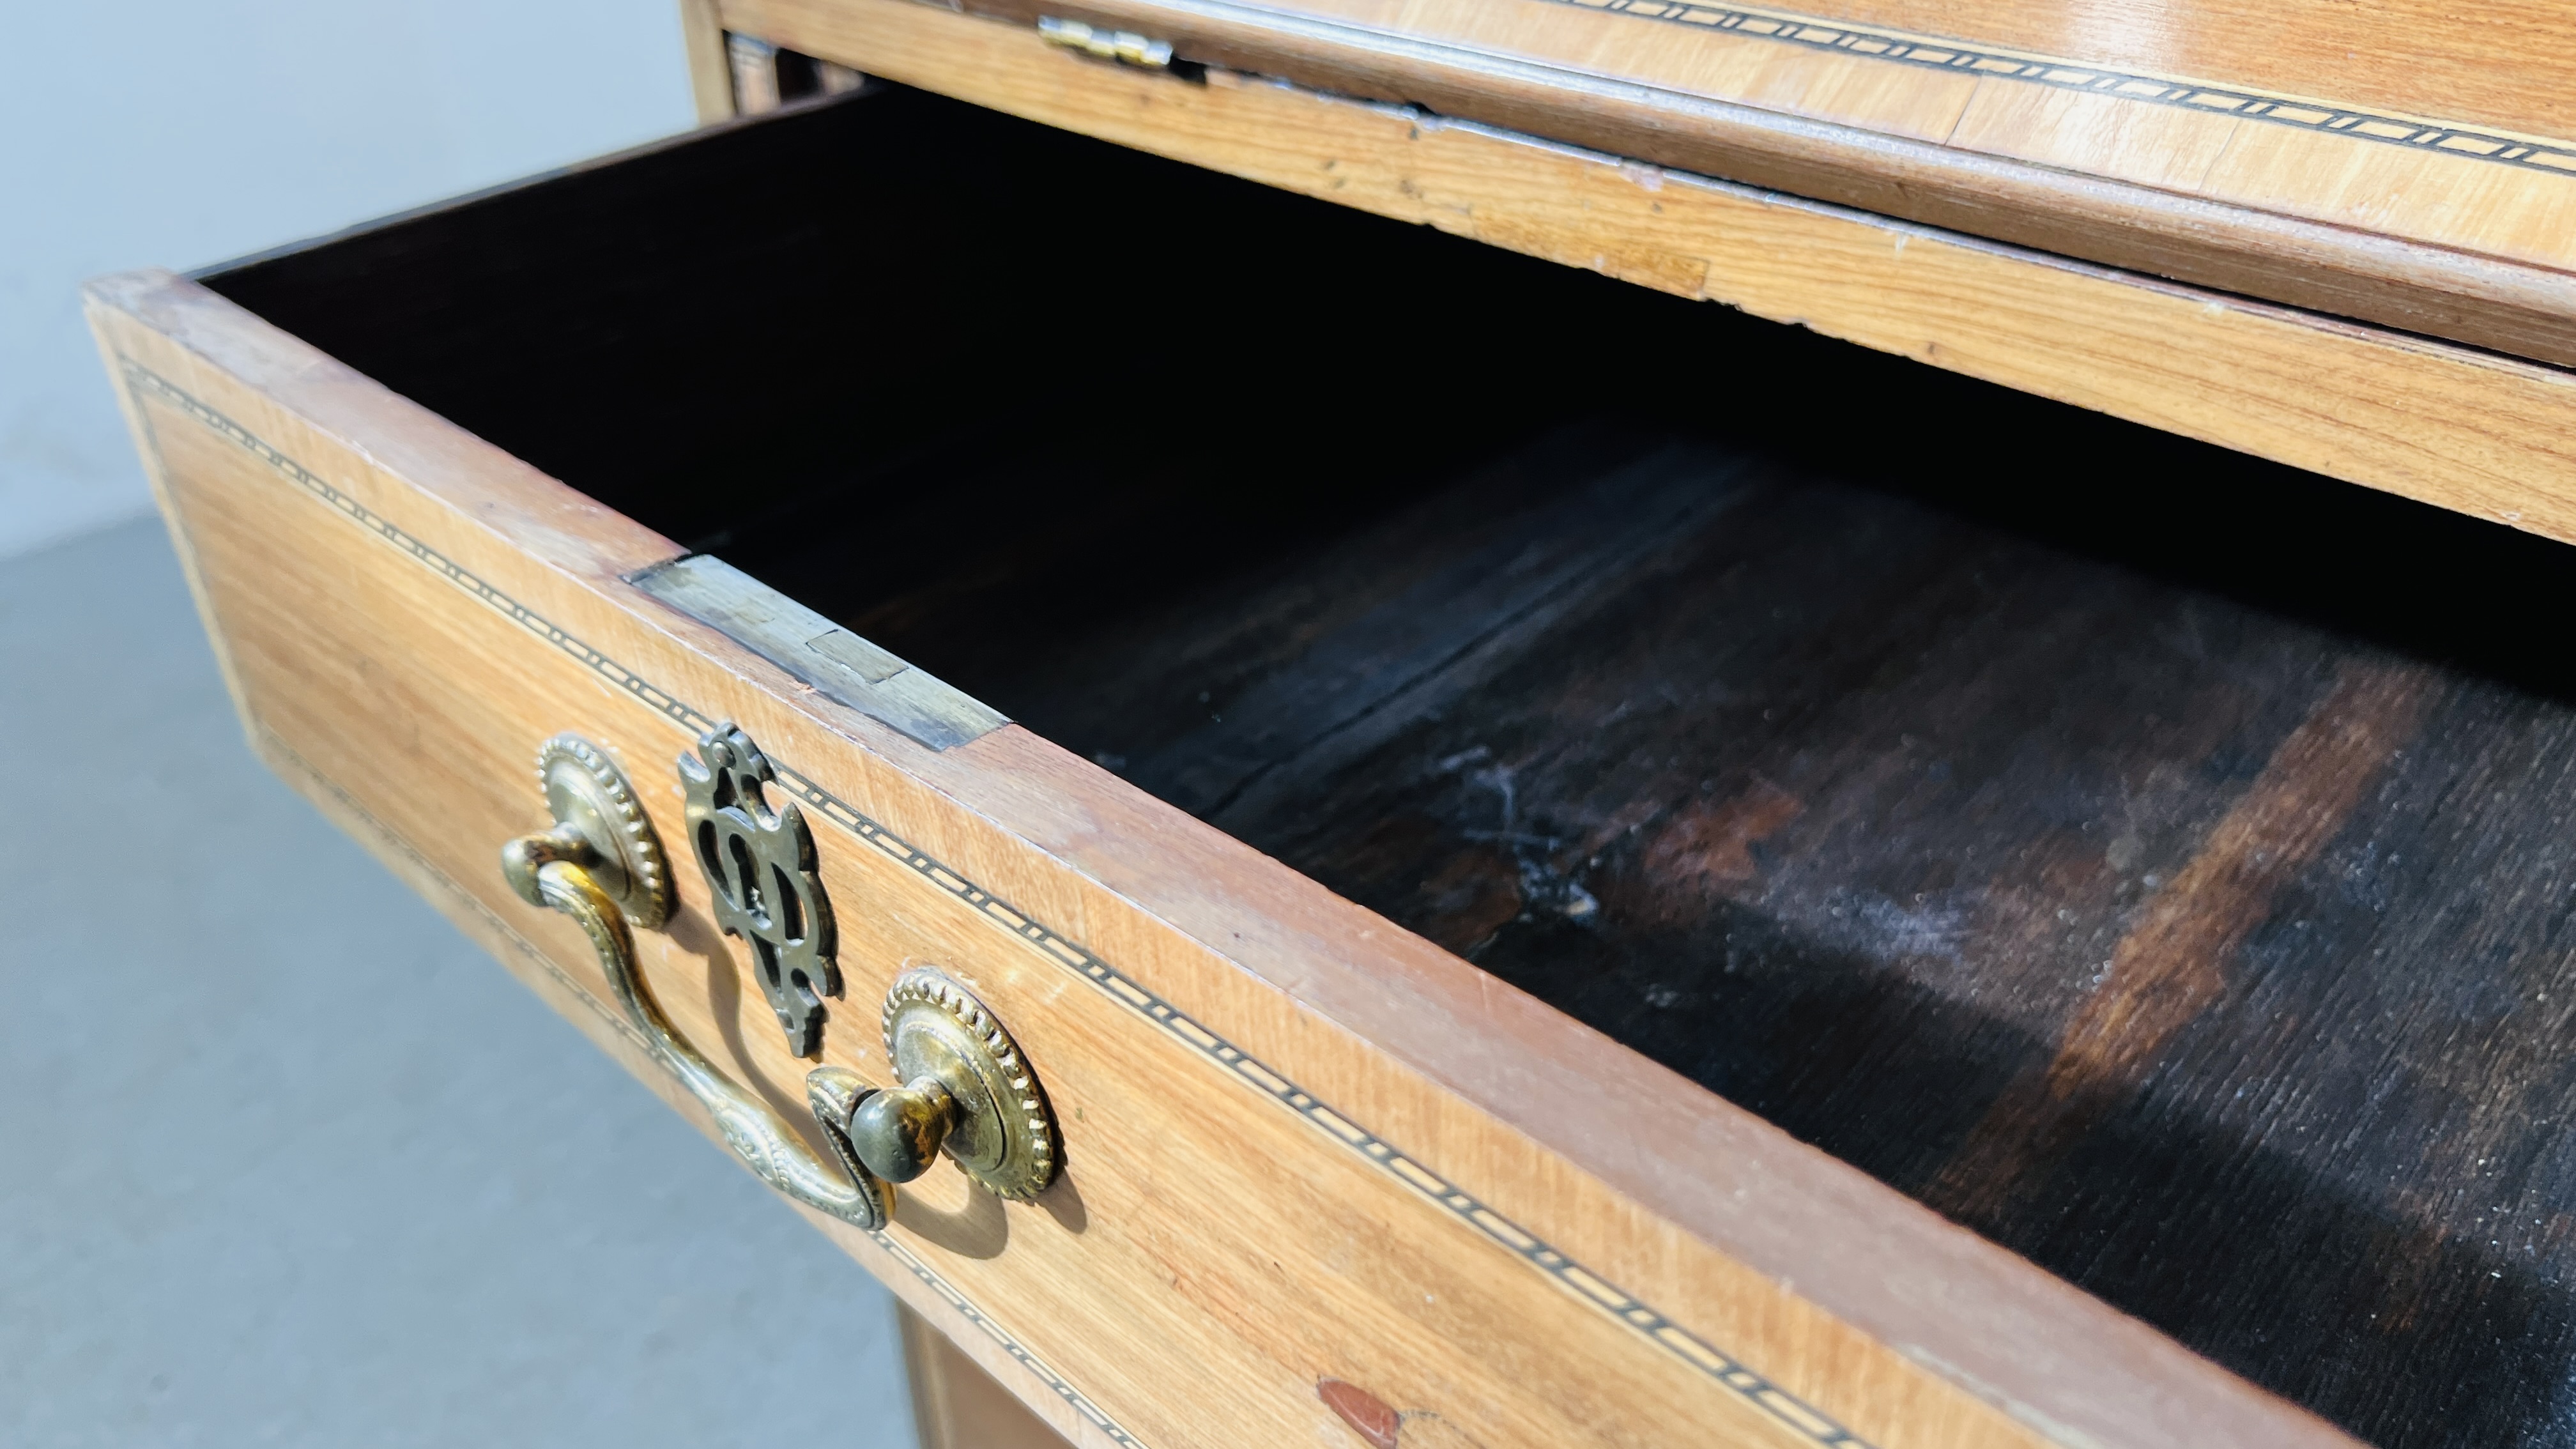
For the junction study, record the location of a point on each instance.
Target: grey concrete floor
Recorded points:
(284, 1160)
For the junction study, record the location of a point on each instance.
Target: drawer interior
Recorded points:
(2145, 855)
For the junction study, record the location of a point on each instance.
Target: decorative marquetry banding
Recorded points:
(1929, 53)
(1587, 1287)
(1496, 1228)
(1002, 1339)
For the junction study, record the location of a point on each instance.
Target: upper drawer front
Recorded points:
(2464, 429)
(1321, 1178)
(2393, 165)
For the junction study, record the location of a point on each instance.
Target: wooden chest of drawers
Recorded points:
(1558, 867)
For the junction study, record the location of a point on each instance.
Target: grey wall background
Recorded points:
(284, 1160)
(180, 132)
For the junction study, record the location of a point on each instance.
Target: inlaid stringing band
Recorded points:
(2556, 159)
(137, 376)
(1594, 1291)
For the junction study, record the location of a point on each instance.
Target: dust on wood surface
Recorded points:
(2206, 954)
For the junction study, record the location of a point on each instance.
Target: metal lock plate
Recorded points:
(759, 866)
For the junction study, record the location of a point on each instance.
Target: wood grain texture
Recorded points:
(2427, 238)
(2147, 901)
(2501, 64)
(955, 1404)
(1991, 110)
(2482, 435)
(1174, 1226)
(417, 688)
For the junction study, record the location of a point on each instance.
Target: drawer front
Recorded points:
(2328, 201)
(1322, 1180)
(1229, 1237)
(2390, 409)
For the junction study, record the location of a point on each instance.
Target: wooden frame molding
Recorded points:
(955, 1404)
(2361, 123)
(702, 40)
(2490, 436)
(2411, 236)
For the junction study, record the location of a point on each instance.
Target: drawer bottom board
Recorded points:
(2183, 912)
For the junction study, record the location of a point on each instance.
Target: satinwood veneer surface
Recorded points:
(2401, 162)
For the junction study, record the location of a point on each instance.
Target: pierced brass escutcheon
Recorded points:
(602, 864)
(967, 1091)
(759, 865)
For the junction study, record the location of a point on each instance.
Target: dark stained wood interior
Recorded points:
(2152, 858)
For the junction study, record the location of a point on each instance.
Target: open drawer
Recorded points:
(1560, 856)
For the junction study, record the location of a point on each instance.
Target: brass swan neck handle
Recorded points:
(601, 840)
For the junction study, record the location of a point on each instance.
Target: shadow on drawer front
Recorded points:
(2144, 855)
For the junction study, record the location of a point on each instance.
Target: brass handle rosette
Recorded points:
(967, 1091)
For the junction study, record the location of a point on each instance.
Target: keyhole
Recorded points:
(791, 907)
(749, 874)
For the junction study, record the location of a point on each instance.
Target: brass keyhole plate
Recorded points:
(762, 885)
